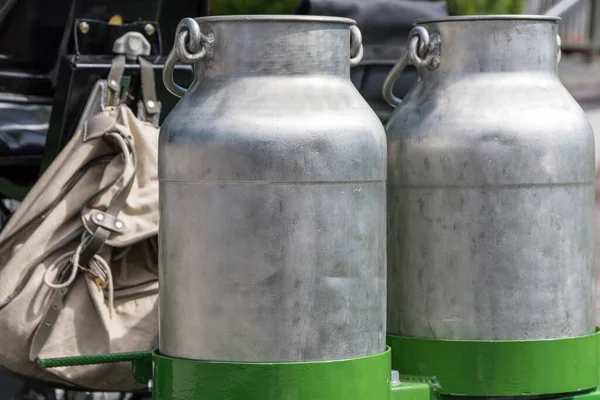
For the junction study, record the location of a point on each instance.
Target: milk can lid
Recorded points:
(276, 18)
(513, 17)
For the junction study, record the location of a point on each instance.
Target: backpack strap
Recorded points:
(148, 107)
(115, 75)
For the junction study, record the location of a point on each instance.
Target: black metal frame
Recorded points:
(45, 32)
(54, 58)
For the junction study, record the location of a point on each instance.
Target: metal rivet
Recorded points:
(150, 104)
(434, 64)
(99, 217)
(150, 385)
(149, 28)
(118, 224)
(84, 27)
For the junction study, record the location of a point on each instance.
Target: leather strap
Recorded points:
(101, 234)
(149, 107)
(114, 80)
(148, 86)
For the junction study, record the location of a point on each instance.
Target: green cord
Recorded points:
(96, 359)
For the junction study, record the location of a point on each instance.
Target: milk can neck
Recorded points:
(280, 48)
(495, 44)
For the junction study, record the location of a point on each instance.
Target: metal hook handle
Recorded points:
(190, 46)
(417, 53)
(356, 47)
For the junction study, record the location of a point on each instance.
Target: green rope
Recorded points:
(96, 359)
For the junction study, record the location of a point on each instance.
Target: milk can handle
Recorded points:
(418, 53)
(356, 47)
(191, 46)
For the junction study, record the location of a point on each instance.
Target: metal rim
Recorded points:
(501, 17)
(360, 378)
(498, 368)
(276, 18)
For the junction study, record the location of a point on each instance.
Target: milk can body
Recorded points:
(490, 187)
(272, 196)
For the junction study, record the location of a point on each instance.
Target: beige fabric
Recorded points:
(85, 325)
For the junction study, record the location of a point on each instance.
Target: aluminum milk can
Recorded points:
(272, 175)
(490, 186)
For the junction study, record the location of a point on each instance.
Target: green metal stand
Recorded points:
(566, 369)
(500, 367)
(366, 378)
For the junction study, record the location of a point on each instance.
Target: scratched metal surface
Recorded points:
(272, 196)
(491, 192)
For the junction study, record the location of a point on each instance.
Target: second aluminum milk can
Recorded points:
(490, 187)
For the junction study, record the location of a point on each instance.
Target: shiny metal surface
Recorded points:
(490, 190)
(272, 194)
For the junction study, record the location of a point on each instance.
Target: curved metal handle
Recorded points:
(418, 53)
(390, 80)
(190, 46)
(356, 47)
